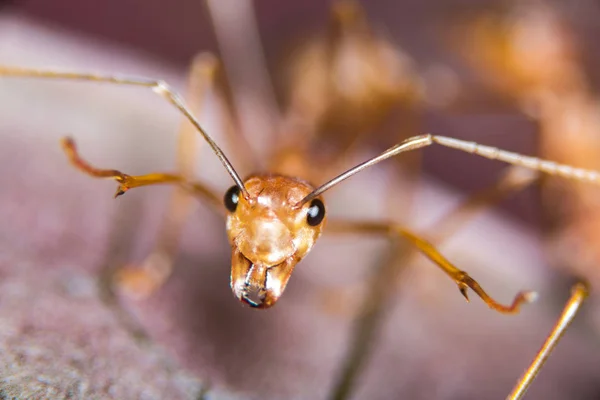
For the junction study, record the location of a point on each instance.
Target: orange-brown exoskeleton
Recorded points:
(270, 231)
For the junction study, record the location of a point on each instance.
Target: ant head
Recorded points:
(270, 231)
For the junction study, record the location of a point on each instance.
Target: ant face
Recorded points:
(269, 234)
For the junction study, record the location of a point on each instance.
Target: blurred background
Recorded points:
(332, 83)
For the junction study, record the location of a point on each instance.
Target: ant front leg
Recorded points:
(127, 182)
(461, 278)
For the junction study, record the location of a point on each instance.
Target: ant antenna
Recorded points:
(159, 87)
(411, 144)
(493, 153)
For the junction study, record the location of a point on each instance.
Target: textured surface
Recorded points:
(58, 340)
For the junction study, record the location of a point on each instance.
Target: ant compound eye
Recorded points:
(315, 213)
(232, 198)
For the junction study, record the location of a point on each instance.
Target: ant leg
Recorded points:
(462, 279)
(127, 182)
(141, 280)
(579, 293)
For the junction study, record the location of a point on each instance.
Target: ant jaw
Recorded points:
(258, 285)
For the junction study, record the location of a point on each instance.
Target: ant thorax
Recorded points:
(270, 231)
